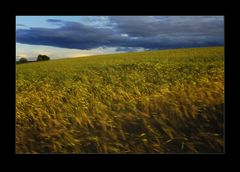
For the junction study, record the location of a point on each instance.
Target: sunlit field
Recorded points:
(166, 101)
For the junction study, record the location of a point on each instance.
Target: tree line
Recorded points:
(39, 58)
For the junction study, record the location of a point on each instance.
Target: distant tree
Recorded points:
(23, 60)
(42, 57)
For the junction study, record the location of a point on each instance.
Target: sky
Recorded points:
(76, 36)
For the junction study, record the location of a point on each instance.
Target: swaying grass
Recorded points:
(168, 101)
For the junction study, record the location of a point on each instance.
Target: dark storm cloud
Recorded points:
(129, 32)
(70, 35)
(147, 26)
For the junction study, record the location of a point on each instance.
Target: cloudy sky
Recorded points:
(75, 36)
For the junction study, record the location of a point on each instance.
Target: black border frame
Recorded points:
(178, 159)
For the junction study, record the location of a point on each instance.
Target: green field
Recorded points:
(166, 101)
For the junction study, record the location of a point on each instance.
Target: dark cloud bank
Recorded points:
(130, 32)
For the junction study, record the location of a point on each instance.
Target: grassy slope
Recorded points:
(155, 101)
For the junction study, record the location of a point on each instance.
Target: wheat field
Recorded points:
(165, 101)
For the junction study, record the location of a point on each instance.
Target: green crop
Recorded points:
(167, 101)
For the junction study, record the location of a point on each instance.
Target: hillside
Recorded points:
(167, 101)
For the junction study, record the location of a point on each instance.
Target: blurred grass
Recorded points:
(168, 101)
